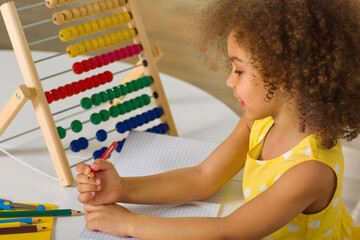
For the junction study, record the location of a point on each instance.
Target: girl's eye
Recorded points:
(238, 72)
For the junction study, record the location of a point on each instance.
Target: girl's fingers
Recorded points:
(83, 168)
(81, 178)
(83, 188)
(86, 197)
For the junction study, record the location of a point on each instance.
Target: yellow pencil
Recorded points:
(13, 224)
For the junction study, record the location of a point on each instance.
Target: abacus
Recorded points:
(128, 26)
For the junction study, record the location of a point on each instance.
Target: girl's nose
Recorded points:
(230, 81)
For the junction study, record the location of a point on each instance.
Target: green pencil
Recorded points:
(57, 212)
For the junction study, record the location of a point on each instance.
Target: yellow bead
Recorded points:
(126, 34)
(122, 3)
(87, 28)
(114, 38)
(101, 23)
(94, 26)
(65, 34)
(127, 17)
(72, 51)
(132, 32)
(101, 42)
(74, 32)
(94, 43)
(107, 39)
(88, 46)
(81, 48)
(108, 22)
(120, 36)
(121, 18)
(81, 30)
(114, 20)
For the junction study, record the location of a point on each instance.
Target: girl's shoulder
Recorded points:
(258, 130)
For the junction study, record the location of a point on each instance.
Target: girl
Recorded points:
(295, 70)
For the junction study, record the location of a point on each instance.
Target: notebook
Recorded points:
(148, 153)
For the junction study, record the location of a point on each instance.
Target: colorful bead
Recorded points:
(111, 94)
(130, 87)
(123, 89)
(122, 108)
(104, 115)
(96, 99)
(75, 146)
(105, 58)
(101, 135)
(148, 80)
(77, 87)
(97, 154)
(134, 103)
(135, 122)
(84, 143)
(76, 126)
(158, 111)
(128, 125)
(63, 92)
(104, 97)
(72, 51)
(95, 118)
(120, 127)
(103, 78)
(86, 103)
(100, 61)
(93, 63)
(62, 132)
(74, 32)
(146, 99)
(89, 83)
(58, 18)
(83, 85)
(86, 65)
(120, 145)
(65, 34)
(70, 90)
(49, 97)
(117, 92)
(96, 80)
(78, 68)
(109, 76)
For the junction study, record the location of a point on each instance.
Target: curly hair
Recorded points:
(308, 48)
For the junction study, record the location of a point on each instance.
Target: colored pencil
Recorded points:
(12, 224)
(24, 220)
(57, 212)
(21, 229)
(105, 156)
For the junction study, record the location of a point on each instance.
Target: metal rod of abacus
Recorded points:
(67, 109)
(56, 74)
(47, 58)
(127, 69)
(43, 40)
(72, 166)
(31, 6)
(38, 23)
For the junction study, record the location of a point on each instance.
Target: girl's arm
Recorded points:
(181, 185)
(291, 194)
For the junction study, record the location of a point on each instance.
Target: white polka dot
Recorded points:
(261, 162)
(355, 224)
(263, 187)
(336, 201)
(288, 154)
(277, 177)
(308, 151)
(247, 192)
(345, 238)
(269, 238)
(337, 168)
(328, 233)
(292, 228)
(260, 138)
(315, 224)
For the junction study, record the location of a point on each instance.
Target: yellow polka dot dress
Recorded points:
(331, 223)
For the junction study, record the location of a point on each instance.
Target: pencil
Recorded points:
(21, 229)
(105, 156)
(24, 220)
(57, 212)
(12, 224)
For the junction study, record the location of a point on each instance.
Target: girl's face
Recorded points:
(247, 84)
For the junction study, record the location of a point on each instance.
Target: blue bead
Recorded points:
(103, 149)
(140, 119)
(120, 127)
(135, 122)
(150, 130)
(157, 129)
(75, 146)
(101, 135)
(164, 128)
(146, 117)
(158, 111)
(128, 124)
(97, 154)
(152, 115)
(120, 145)
(84, 143)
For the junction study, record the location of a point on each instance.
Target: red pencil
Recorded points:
(105, 156)
(21, 229)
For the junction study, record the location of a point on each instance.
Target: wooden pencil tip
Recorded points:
(76, 213)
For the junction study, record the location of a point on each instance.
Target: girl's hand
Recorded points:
(104, 188)
(112, 219)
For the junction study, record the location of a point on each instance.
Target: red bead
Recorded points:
(118, 55)
(96, 80)
(130, 50)
(100, 61)
(105, 58)
(137, 48)
(109, 76)
(49, 97)
(70, 89)
(83, 85)
(63, 92)
(112, 57)
(56, 94)
(124, 52)
(78, 68)
(93, 63)
(86, 64)
(89, 83)
(103, 78)
(77, 87)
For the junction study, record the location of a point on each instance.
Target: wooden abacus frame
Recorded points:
(34, 91)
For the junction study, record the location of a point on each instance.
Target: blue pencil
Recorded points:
(24, 220)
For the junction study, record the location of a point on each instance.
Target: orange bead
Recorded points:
(122, 3)
(75, 13)
(89, 9)
(60, 2)
(69, 1)
(109, 4)
(58, 17)
(96, 7)
(83, 12)
(115, 3)
(51, 3)
(67, 14)
(102, 5)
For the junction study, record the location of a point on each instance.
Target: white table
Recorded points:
(197, 115)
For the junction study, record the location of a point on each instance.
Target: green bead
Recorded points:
(95, 118)
(135, 103)
(136, 85)
(148, 80)
(62, 132)
(96, 99)
(105, 115)
(141, 82)
(140, 101)
(76, 126)
(130, 87)
(128, 106)
(123, 89)
(86, 103)
(104, 97)
(117, 92)
(146, 99)
(114, 111)
(122, 108)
